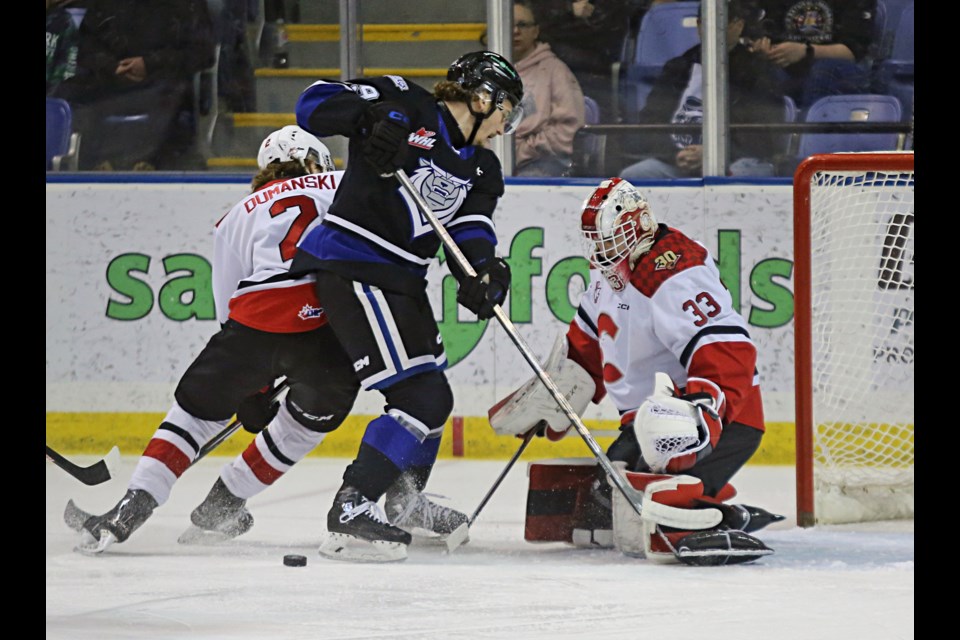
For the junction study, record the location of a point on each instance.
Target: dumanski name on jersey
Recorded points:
(312, 181)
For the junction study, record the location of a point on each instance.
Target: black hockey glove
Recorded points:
(387, 126)
(255, 412)
(486, 289)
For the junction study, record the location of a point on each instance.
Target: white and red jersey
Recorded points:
(675, 316)
(254, 245)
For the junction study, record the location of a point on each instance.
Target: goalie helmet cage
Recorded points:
(853, 333)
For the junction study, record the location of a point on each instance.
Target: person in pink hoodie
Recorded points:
(553, 101)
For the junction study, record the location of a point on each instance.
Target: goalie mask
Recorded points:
(618, 227)
(294, 143)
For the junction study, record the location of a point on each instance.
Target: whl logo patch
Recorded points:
(422, 138)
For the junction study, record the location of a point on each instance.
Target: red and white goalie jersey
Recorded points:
(254, 245)
(675, 316)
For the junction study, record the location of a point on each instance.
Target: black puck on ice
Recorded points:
(295, 561)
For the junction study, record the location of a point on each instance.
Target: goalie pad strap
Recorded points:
(666, 501)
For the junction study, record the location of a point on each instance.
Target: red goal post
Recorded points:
(853, 337)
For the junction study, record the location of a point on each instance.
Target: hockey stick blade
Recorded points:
(459, 535)
(74, 516)
(97, 473)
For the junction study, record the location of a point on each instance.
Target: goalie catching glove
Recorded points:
(532, 403)
(676, 431)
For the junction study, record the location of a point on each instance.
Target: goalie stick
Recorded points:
(97, 473)
(634, 497)
(459, 535)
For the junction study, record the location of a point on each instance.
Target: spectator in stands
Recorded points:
(138, 60)
(821, 46)
(553, 102)
(62, 38)
(754, 94)
(588, 35)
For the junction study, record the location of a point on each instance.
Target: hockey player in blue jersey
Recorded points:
(370, 257)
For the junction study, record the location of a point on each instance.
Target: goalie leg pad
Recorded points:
(524, 408)
(668, 500)
(558, 491)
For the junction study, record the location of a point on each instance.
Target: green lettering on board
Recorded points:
(120, 278)
(187, 296)
(764, 288)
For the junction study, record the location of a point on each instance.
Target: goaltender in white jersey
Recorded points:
(657, 332)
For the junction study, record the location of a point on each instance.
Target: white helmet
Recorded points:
(617, 224)
(293, 143)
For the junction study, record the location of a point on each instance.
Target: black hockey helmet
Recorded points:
(486, 70)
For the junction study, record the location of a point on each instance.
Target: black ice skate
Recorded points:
(416, 514)
(743, 517)
(358, 530)
(220, 517)
(116, 525)
(593, 521)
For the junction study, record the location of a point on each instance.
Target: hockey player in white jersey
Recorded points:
(272, 325)
(657, 332)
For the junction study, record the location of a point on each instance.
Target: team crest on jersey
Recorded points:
(442, 190)
(422, 138)
(399, 82)
(308, 312)
(666, 260)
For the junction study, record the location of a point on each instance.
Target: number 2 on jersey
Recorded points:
(308, 213)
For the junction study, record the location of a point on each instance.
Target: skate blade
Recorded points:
(457, 537)
(74, 516)
(90, 546)
(339, 546)
(194, 535)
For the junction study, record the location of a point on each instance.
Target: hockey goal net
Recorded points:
(854, 295)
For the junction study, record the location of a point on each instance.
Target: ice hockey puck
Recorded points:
(295, 561)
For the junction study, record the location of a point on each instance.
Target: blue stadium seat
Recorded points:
(62, 142)
(895, 74)
(588, 150)
(887, 22)
(666, 31)
(851, 108)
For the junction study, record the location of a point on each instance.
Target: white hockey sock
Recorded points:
(271, 454)
(171, 450)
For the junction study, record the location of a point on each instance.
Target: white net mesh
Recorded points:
(862, 290)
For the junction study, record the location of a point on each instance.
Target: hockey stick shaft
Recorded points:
(503, 474)
(229, 430)
(97, 473)
(453, 251)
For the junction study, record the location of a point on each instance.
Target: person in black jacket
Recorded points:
(755, 96)
(821, 46)
(371, 255)
(135, 65)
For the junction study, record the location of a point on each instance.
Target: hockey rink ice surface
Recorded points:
(842, 582)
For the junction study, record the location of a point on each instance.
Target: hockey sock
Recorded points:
(272, 453)
(170, 452)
